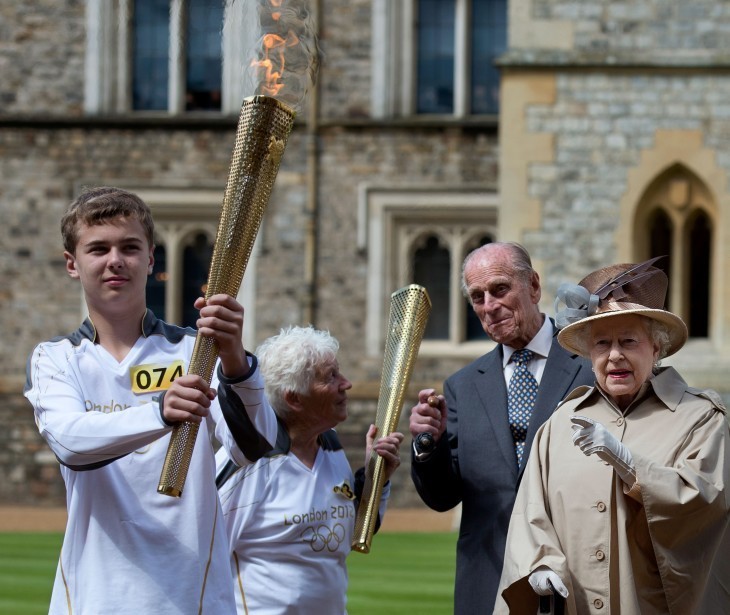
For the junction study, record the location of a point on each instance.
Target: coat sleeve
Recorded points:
(687, 505)
(437, 479)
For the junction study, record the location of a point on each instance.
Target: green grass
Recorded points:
(403, 573)
(27, 568)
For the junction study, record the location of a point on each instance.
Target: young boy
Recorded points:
(105, 399)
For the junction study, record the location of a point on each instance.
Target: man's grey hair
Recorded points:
(520, 260)
(289, 362)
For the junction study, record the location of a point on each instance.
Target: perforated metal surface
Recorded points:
(261, 137)
(409, 310)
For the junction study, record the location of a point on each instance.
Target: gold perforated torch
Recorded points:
(409, 310)
(263, 130)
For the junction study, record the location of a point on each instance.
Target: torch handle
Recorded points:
(182, 440)
(367, 512)
(177, 459)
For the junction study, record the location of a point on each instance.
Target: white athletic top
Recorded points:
(290, 530)
(127, 548)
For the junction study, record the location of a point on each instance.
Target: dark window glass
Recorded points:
(204, 65)
(196, 263)
(431, 267)
(435, 73)
(700, 239)
(157, 283)
(660, 244)
(151, 43)
(489, 40)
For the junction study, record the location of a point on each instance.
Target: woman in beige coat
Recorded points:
(623, 507)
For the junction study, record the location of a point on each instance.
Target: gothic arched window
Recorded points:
(675, 219)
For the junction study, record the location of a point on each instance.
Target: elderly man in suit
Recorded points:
(470, 445)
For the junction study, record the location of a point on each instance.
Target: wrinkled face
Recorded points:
(326, 402)
(112, 260)
(503, 299)
(623, 355)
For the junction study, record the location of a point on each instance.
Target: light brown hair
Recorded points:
(100, 205)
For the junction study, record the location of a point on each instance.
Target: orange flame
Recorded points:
(273, 63)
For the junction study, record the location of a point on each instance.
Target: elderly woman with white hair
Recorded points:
(291, 515)
(623, 507)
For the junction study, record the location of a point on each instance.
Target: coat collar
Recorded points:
(668, 386)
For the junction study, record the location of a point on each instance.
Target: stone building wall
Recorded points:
(627, 92)
(346, 76)
(42, 57)
(601, 124)
(29, 471)
(641, 26)
(592, 128)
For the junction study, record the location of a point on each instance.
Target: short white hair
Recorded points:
(659, 334)
(289, 362)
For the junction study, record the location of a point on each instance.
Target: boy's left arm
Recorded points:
(249, 429)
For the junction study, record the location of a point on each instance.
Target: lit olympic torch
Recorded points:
(263, 130)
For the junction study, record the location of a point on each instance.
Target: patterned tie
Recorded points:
(521, 395)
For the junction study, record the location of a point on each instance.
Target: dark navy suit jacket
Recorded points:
(475, 464)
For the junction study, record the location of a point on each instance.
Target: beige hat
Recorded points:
(615, 291)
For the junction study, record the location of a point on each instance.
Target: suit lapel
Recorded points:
(492, 392)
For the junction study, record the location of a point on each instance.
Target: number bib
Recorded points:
(154, 377)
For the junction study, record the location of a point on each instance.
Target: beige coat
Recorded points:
(664, 546)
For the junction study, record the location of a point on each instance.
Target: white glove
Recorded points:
(592, 437)
(545, 582)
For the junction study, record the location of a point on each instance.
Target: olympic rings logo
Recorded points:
(324, 537)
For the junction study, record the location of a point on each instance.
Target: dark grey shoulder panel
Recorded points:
(329, 441)
(283, 442)
(151, 325)
(85, 332)
(228, 470)
(91, 466)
